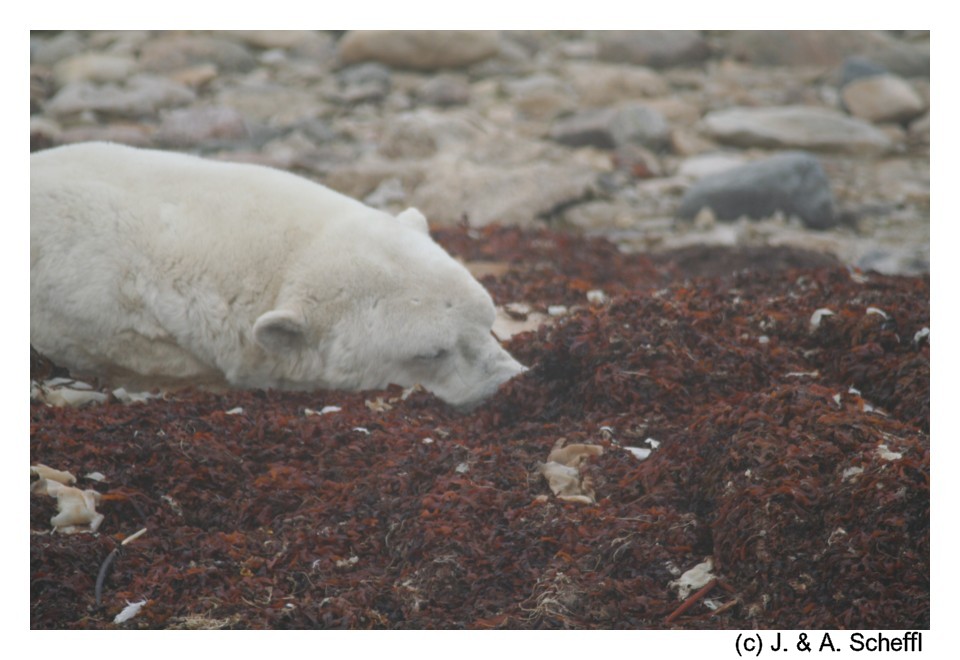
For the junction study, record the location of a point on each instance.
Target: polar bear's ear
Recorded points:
(279, 330)
(414, 219)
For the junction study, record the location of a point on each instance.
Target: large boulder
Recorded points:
(793, 183)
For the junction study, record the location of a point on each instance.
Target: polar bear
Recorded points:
(151, 267)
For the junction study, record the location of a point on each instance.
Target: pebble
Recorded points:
(411, 136)
(793, 183)
(607, 128)
(920, 129)
(424, 50)
(94, 67)
(796, 127)
(541, 96)
(882, 98)
(638, 123)
(369, 81)
(601, 84)
(697, 167)
(141, 95)
(172, 51)
(445, 90)
(201, 126)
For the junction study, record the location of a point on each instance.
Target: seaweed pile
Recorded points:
(783, 415)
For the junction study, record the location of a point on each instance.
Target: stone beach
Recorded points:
(609, 133)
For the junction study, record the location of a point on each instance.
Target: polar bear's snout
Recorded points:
(476, 382)
(170, 268)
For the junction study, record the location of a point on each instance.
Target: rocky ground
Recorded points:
(632, 135)
(760, 408)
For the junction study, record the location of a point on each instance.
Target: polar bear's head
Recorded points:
(378, 302)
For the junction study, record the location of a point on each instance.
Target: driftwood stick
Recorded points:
(688, 603)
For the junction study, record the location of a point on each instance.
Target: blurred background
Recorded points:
(659, 140)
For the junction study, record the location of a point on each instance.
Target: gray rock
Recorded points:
(94, 67)
(709, 164)
(366, 82)
(268, 39)
(795, 127)
(50, 50)
(636, 123)
(541, 96)
(421, 133)
(828, 48)
(188, 127)
(172, 51)
(444, 90)
(387, 195)
(904, 59)
(409, 137)
(366, 73)
(802, 47)
(882, 98)
(142, 96)
(317, 130)
(425, 50)
(608, 128)
(919, 130)
(600, 84)
(859, 67)
(793, 183)
(272, 103)
(360, 177)
(655, 48)
(41, 87)
(589, 128)
(521, 195)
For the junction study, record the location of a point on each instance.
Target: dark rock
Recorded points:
(793, 183)
(859, 67)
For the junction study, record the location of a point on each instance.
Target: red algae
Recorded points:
(797, 458)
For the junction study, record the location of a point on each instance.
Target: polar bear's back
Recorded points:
(186, 193)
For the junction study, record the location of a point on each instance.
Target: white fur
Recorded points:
(156, 267)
